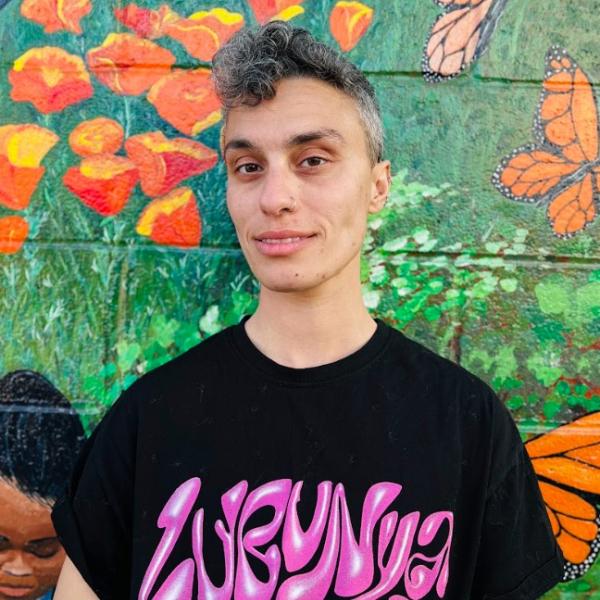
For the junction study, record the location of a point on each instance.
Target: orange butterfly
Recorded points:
(567, 463)
(459, 36)
(562, 169)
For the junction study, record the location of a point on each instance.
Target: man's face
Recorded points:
(30, 554)
(300, 185)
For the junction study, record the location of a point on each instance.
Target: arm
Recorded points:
(71, 585)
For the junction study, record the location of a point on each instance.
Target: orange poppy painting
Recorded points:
(163, 163)
(187, 100)
(22, 149)
(103, 183)
(128, 64)
(172, 220)
(349, 21)
(283, 10)
(50, 78)
(96, 136)
(204, 32)
(13, 232)
(57, 15)
(146, 22)
(201, 34)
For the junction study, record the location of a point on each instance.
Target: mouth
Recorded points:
(282, 243)
(15, 591)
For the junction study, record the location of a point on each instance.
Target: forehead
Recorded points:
(299, 105)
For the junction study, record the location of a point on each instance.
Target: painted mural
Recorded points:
(116, 251)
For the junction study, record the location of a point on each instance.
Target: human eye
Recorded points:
(313, 161)
(45, 548)
(248, 168)
(4, 543)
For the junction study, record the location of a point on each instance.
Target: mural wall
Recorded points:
(116, 252)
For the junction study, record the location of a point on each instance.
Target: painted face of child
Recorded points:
(30, 554)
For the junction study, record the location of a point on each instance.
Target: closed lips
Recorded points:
(288, 240)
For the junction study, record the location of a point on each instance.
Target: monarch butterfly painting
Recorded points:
(459, 36)
(562, 168)
(567, 463)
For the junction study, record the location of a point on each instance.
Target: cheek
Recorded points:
(47, 570)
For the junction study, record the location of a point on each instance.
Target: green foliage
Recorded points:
(532, 336)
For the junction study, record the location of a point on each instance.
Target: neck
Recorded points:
(312, 327)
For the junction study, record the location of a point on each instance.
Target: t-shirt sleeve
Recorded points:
(519, 558)
(93, 520)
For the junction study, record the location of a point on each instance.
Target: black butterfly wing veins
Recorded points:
(459, 36)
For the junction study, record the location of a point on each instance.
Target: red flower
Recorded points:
(22, 148)
(50, 78)
(163, 163)
(103, 183)
(283, 10)
(96, 136)
(187, 100)
(349, 21)
(173, 220)
(56, 15)
(128, 64)
(145, 22)
(204, 32)
(13, 231)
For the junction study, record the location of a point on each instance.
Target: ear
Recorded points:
(381, 180)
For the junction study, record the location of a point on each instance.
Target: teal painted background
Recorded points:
(477, 277)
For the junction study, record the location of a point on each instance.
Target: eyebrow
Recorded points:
(296, 140)
(42, 541)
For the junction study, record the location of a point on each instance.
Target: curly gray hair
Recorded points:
(246, 69)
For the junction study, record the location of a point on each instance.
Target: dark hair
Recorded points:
(41, 436)
(246, 69)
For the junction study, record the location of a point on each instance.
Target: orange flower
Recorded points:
(187, 100)
(103, 182)
(128, 64)
(96, 136)
(56, 15)
(204, 32)
(163, 163)
(283, 10)
(50, 78)
(13, 231)
(349, 21)
(173, 220)
(145, 22)
(22, 148)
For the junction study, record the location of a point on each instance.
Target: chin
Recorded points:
(288, 282)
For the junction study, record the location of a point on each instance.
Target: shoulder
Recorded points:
(186, 373)
(431, 372)
(445, 387)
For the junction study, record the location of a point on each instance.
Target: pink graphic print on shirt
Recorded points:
(345, 567)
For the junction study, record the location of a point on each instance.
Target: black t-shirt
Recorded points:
(391, 473)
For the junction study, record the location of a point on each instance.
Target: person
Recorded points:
(309, 451)
(42, 436)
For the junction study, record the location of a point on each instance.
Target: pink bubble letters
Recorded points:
(345, 567)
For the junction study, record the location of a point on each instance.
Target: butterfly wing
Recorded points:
(567, 461)
(575, 524)
(567, 117)
(530, 173)
(459, 36)
(561, 170)
(574, 208)
(567, 120)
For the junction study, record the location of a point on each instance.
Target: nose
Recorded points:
(279, 192)
(14, 563)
